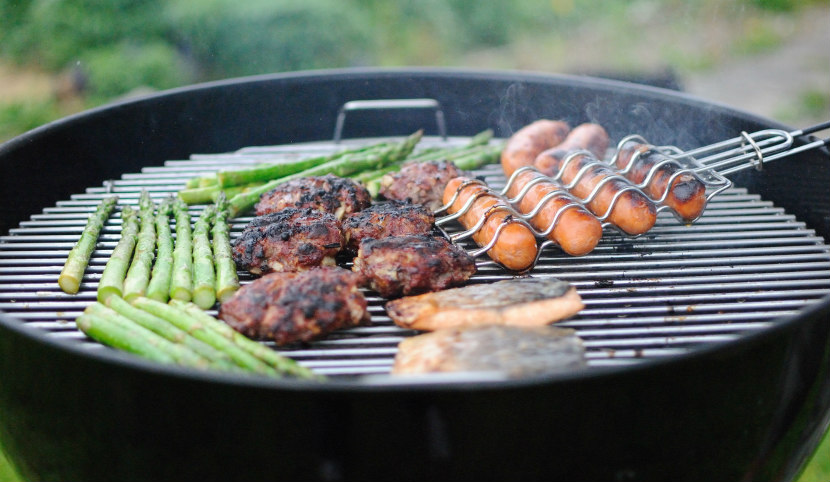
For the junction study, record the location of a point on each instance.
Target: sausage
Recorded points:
(576, 231)
(687, 194)
(525, 144)
(515, 248)
(632, 212)
(591, 137)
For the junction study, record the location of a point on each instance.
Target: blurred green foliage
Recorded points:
(22, 116)
(7, 473)
(83, 27)
(123, 44)
(230, 38)
(818, 468)
(98, 50)
(781, 5)
(115, 46)
(119, 68)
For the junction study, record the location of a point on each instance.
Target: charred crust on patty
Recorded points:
(392, 218)
(412, 264)
(297, 307)
(332, 194)
(288, 240)
(420, 182)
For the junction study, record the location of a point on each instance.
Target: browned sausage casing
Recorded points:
(591, 137)
(515, 248)
(577, 231)
(632, 212)
(687, 194)
(525, 144)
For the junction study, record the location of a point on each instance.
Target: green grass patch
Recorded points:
(21, 116)
(7, 472)
(759, 35)
(815, 103)
(810, 104)
(818, 469)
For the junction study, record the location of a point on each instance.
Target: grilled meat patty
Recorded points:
(393, 218)
(420, 182)
(336, 195)
(404, 265)
(513, 351)
(291, 307)
(518, 301)
(289, 240)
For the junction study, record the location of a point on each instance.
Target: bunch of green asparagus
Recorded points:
(366, 164)
(146, 261)
(181, 333)
(476, 153)
(244, 187)
(146, 269)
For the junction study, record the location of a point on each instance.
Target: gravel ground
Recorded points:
(767, 63)
(774, 83)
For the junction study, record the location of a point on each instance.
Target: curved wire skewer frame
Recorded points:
(708, 164)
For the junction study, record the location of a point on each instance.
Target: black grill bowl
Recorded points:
(751, 409)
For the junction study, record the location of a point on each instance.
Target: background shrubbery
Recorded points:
(97, 50)
(118, 45)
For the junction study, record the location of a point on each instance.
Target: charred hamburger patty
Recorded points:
(291, 307)
(336, 195)
(289, 240)
(420, 183)
(404, 265)
(394, 218)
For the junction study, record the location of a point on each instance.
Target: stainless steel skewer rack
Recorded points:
(708, 164)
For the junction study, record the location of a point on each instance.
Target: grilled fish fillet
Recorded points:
(510, 350)
(520, 302)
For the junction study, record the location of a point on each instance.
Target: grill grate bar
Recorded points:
(741, 267)
(714, 318)
(649, 288)
(782, 246)
(46, 282)
(672, 312)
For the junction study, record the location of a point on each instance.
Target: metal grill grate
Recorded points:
(744, 264)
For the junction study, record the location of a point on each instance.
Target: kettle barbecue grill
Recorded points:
(708, 345)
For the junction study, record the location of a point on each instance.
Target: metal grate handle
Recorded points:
(383, 104)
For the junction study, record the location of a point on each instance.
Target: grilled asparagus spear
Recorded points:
(165, 329)
(138, 276)
(466, 157)
(181, 282)
(159, 287)
(205, 189)
(196, 328)
(179, 353)
(282, 364)
(204, 274)
(110, 333)
(269, 172)
(112, 280)
(342, 166)
(227, 281)
(73, 270)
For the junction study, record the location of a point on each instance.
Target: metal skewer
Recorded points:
(709, 164)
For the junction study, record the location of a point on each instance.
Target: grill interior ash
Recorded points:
(737, 269)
